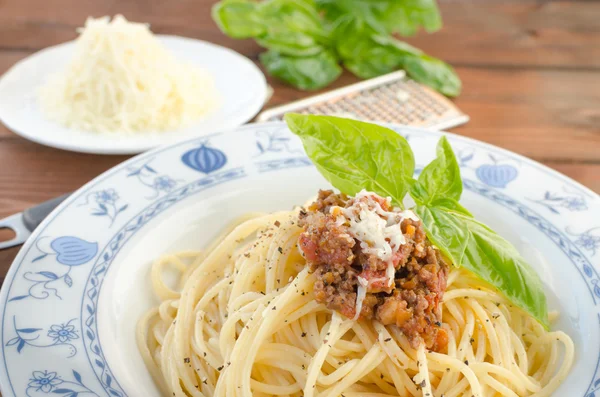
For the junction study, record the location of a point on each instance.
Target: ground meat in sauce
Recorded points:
(336, 258)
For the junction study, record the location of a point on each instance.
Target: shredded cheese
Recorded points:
(377, 230)
(361, 294)
(122, 79)
(390, 272)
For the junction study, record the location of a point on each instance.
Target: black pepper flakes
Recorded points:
(303, 334)
(280, 250)
(186, 360)
(387, 339)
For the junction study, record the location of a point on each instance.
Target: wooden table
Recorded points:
(530, 70)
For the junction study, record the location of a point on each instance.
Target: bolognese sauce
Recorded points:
(373, 261)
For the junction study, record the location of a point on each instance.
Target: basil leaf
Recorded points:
(473, 245)
(440, 179)
(363, 11)
(293, 27)
(290, 27)
(354, 155)
(451, 205)
(369, 54)
(291, 43)
(366, 53)
(407, 16)
(292, 15)
(238, 18)
(387, 16)
(434, 73)
(307, 73)
(469, 243)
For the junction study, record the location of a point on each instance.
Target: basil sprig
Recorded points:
(308, 42)
(353, 155)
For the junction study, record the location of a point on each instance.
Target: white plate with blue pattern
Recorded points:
(75, 291)
(240, 87)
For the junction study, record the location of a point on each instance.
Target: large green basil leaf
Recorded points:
(434, 73)
(307, 73)
(238, 18)
(473, 245)
(440, 179)
(354, 155)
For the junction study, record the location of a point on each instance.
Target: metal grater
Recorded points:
(388, 99)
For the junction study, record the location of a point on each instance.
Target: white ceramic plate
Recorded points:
(75, 291)
(240, 84)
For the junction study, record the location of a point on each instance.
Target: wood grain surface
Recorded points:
(530, 70)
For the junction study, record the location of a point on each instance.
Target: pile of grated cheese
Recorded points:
(123, 80)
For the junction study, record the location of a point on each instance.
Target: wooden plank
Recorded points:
(560, 34)
(543, 114)
(38, 173)
(552, 115)
(6, 258)
(587, 174)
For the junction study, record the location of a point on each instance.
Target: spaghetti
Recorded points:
(244, 322)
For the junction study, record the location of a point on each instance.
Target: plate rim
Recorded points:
(19, 259)
(241, 118)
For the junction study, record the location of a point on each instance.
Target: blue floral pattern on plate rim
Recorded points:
(57, 268)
